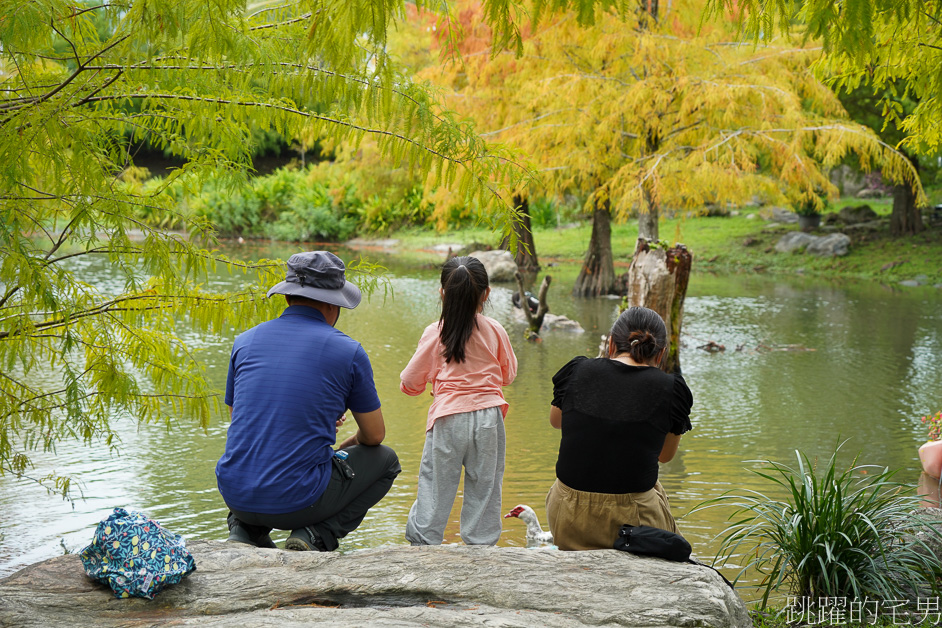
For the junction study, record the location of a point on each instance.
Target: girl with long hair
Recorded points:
(467, 358)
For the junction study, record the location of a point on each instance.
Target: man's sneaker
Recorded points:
(238, 533)
(304, 540)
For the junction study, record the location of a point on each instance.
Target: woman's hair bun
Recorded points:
(641, 337)
(640, 332)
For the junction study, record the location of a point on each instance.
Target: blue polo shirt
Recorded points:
(289, 381)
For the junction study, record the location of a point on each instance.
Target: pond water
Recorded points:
(818, 363)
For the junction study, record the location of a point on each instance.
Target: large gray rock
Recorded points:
(500, 264)
(848, 180)
(552, 322)
(833, 245)
(782, 215)
(794, 241)
(857, 214)
(873, 225)
(245, 587)
(933, 541)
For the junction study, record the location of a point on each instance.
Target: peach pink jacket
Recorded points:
(474, 384)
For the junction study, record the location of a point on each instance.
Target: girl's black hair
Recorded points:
(639, 332)
(464, 280)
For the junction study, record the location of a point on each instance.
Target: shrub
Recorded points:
(379, 214)
(312, 216)
(543, 213)
(277, 191)
(550, 213)
(285, 205)
(232, 211)
(838, 534)
(137, 180)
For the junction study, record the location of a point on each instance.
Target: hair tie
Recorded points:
(634, 342)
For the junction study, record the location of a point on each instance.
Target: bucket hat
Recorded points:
(318, 275)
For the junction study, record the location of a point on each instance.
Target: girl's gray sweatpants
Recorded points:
(476, 441)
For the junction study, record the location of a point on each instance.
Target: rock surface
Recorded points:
(857, 214)
(552, 322)
(500, 264)
(794, 241)
(934, 517)
(872, 225)
(848, 180)
(835, 244)
(398, 586)
(783, 215)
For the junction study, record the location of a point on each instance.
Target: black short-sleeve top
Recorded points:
(614, 420)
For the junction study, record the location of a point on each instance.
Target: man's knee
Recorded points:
(381, 457)
(390, 461)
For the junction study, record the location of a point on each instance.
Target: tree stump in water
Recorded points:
(534, 320)
(657, 279)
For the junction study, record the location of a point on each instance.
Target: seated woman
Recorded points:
(619, 416)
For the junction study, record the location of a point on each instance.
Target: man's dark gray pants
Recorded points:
(345, 502)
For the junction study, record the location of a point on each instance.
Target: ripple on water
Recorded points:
(818, 364)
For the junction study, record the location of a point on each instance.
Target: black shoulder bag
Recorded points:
(648, 541)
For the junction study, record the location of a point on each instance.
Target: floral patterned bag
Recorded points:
(135, 556)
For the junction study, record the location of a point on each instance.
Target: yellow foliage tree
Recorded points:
(651, 110)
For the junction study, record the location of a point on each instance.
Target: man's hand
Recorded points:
(340, 421)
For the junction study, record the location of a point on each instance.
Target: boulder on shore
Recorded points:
(500, 264)
(832, 245)
(552, 322)
(782, 215)
(237, 585)
(857, 214)
(794, 241)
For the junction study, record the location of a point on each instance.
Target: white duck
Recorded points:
(535, 531)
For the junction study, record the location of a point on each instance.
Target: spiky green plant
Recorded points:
(851, 533)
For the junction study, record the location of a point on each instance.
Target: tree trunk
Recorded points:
(657, 279)
(647, 219)
(906, 218)
(597, 276)
(525, 255)
(650, 7)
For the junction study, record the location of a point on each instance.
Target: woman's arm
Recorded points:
(556, 417)
(671, 442)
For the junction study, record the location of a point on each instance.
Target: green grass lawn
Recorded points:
(734, 244)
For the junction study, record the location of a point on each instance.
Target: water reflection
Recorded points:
(817, 363)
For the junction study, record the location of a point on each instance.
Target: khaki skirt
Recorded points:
(588, 521)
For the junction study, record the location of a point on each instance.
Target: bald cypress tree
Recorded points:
(82, 85)
(653, 110)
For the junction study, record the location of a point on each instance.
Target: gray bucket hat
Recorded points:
(318, 275)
